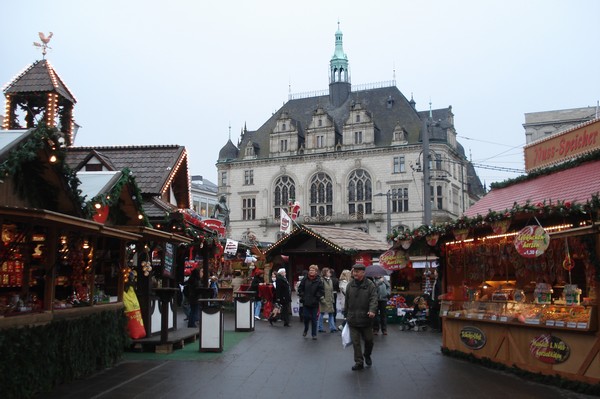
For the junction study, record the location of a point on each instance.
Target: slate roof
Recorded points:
(346, 239)
(151, 165)
(39, 77)
(375, 101)
(155, 208)
(576, 184)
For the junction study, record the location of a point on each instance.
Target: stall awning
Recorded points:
(577, 184)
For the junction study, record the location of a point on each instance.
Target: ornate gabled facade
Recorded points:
(351, 158)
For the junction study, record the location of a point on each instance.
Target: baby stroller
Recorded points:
(415, 319)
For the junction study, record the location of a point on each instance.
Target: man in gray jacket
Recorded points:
(360, 308)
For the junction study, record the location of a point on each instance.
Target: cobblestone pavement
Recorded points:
(277, 362)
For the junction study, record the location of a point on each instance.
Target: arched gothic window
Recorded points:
(285, 190)
(321, 195)
(359, 192)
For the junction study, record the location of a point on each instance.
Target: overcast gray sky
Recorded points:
(182, 72)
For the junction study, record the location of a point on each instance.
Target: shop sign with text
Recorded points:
(549, 349)
(562, 147)
(473, 337)
(394, 259)
(532, 241)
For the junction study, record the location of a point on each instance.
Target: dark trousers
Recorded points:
(380, 320)
(194, 314)
(366, 334)
(310, 316)
(285, 313)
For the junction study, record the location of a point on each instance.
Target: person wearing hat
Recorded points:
(283, 296)
(360, 308)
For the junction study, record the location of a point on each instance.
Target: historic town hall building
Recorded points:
(352, 157)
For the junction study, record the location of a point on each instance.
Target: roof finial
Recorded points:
(430, 111)
(44, 44)
(229, 130)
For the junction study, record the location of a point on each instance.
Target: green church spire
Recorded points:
(339, 61)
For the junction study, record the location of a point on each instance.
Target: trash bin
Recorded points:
(244, 310)
(211, 325)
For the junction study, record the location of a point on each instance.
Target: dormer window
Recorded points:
(283, 126)
(249, 150)
(320, 122)
(357, 118)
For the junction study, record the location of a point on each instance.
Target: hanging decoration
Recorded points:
(460, 234)
(532, 241)
(500, 226)
(393, 259)
(432, 239)
(568, 262)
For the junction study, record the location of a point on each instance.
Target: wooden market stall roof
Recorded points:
(336, 239)
(576, 184)
(43, 216)
(154, 234)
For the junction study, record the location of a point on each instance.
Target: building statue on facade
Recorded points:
(221, 211)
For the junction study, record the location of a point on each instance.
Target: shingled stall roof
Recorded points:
(577, 184)
(152, 165)
(39, 77)
(336, 239)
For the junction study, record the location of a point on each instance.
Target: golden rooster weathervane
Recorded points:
(44, 44)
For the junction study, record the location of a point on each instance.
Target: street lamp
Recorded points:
(387, 204)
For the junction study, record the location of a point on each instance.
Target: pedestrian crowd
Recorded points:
(361, 300)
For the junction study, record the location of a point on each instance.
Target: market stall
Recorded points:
(521, 272)
(520, 268)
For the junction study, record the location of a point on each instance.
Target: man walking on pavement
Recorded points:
(360, 308)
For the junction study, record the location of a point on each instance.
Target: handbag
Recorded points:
(346, 340)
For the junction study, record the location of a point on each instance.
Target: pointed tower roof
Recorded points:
(39, 77)
(229, 151)
(339, 57)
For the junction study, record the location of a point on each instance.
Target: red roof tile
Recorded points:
(577, 184)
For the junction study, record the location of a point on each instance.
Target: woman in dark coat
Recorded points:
(310, 291)
(283, 296)
(194, 285)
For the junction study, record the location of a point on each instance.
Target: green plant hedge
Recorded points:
(36, 359)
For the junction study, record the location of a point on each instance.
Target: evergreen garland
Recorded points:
(113, 200)
(24, 167)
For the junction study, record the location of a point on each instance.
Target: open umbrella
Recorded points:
(376, 271)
